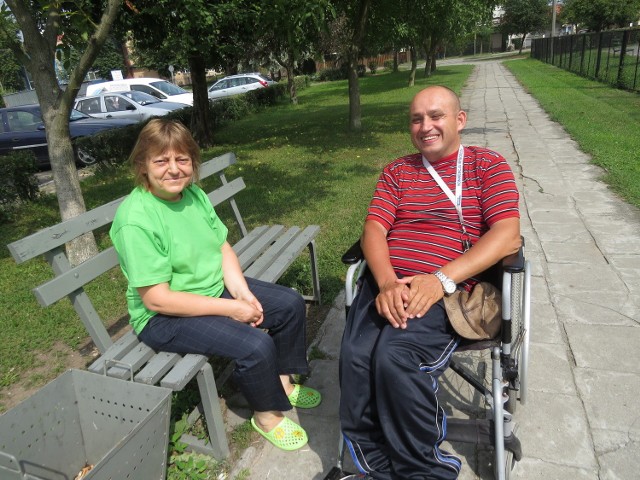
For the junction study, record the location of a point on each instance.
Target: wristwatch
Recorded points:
(448, 285)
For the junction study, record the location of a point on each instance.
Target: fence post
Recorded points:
(599, 54)
(570, 51)
(623, 51)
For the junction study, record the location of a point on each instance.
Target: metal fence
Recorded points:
(611, 57)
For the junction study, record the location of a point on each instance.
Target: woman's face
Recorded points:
(168, 174)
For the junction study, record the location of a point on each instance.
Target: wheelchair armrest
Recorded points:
(514, 263)
(353, 255)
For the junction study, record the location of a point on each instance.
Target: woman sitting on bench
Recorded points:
(187, 292)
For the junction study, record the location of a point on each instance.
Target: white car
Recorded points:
(161, 89)
(237, 84)
(133, 105)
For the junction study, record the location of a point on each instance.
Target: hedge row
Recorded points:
(17, 180)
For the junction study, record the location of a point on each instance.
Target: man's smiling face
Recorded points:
(436, 122)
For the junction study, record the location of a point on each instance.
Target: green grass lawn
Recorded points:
(603, 120)
(301, 166)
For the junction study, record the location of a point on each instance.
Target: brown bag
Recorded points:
(475, 315)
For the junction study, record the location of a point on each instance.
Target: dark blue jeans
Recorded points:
(260, 356)
(389, 411)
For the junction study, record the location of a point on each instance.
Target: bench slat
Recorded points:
(280, 264)
(160, 364)
(246, 241)
(119, 349)
(135, 358)
(57, 235)
(183, 371)
(226, 191)
(258, 267)
(258, 245)
(217, 164)
(65, 283)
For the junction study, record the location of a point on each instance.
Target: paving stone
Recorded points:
(605, 347)
(556, 430)
(610, 398)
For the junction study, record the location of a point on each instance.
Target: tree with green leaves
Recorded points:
(355, 15)
(598, 15)
(522, 17)
(186, 30)
(290, 29)
(429, 24)
(50, 28)
(10, 72)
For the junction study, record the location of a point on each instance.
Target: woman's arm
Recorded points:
(243, 306)
(160, 298)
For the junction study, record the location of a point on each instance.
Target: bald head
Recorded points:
(449, 94)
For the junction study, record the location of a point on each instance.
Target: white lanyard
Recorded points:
(457, 199)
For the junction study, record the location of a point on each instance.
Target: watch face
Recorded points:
(449, 286)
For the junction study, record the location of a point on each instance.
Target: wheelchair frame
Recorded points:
(509, 361)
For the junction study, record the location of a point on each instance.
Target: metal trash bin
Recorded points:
(80, 418)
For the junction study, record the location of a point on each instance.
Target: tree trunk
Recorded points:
(355, 113)
(522, 43)
(200, 117)
(359, 25)
(414, 65)
(395, 60)
(428, 51)
(291, 80)
(65, 177)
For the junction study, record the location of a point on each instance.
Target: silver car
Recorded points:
(237, 84)
(132, 105)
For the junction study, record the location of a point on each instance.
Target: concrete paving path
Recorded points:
(582, 418)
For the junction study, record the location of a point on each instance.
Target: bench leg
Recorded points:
(315, 279)
(218, 447)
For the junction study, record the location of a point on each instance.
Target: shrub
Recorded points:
(302, 82)
(111, 147)
(388, 65)
(373, 66)
(17, 180)
(331, 74)
(341, 73)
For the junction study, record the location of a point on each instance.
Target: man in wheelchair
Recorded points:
(438, 218)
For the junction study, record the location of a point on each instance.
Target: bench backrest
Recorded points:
(69, 280)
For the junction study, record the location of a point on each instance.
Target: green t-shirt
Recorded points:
(174, 242)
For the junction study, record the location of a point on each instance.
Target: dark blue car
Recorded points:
(22, 128)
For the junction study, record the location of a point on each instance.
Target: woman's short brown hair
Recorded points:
(159, 136)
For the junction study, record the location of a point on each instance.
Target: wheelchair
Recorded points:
(493, 423)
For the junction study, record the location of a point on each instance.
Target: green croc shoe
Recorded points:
(287, 435)
(304, 397)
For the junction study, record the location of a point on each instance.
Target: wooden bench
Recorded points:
(265, 253)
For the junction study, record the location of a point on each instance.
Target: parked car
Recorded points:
(237, 84)
(133, 105)
(161, 89)
(22, 128)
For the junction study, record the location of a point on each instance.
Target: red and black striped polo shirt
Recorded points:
(424, 228)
